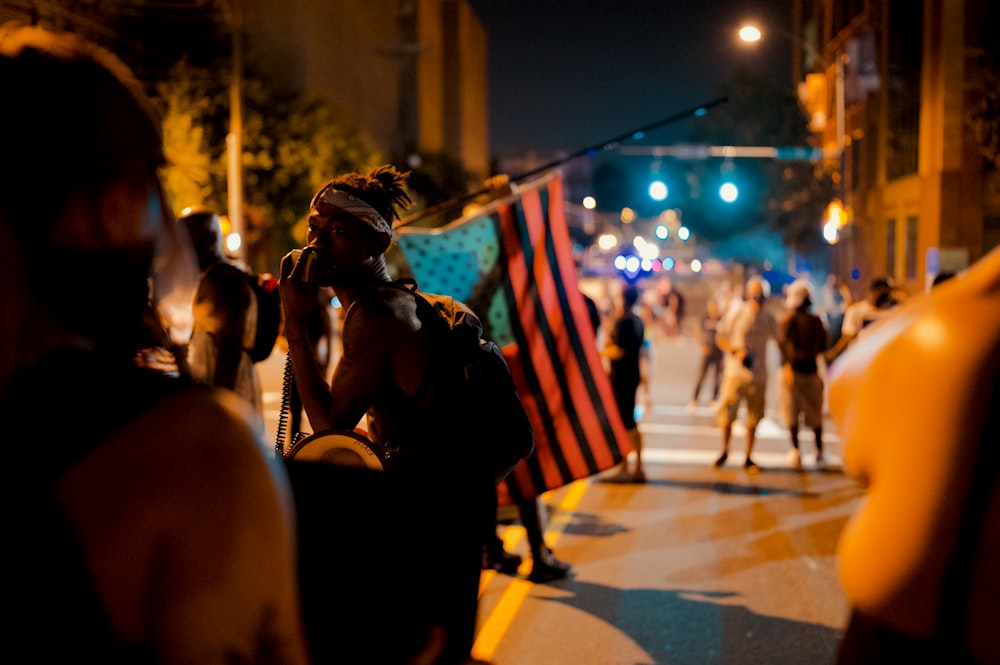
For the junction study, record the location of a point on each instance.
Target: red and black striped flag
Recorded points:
(511, 261)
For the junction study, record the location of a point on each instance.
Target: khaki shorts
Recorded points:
(739, 387)
(803, 398)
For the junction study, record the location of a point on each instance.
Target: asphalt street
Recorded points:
(696, 566)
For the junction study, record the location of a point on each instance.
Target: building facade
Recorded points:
(410, 74)
(918, 196)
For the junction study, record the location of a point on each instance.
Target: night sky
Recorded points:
(568, 74)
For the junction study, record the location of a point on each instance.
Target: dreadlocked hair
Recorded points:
(382, 188)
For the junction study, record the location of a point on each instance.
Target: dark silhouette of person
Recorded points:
(225, 314)
(385, 375)
(711, 354)
(624, 349)
(157, 530)
(802, 339)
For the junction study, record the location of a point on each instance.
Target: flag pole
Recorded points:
(607, 144)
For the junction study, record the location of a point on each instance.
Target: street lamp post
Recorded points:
(234, 141)
(752, 34)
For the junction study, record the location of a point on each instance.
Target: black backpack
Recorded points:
(265, 288)
(480, 395)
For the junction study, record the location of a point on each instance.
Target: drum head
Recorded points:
(340, 447)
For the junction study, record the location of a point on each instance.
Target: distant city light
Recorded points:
(668, 263)
(661, 231)
(683, 233)
(831, 231)
(607, 241)
(233, 243)
(627, 215)
(728, 192)
(646, 249)
(696, 266)
(589, 202)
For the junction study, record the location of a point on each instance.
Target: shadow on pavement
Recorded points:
(702, 627)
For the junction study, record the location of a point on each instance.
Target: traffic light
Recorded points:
(658, 190)
(729, 192)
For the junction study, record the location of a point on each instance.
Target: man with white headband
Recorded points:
(386, 377)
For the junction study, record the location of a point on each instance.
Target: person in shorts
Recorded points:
(802, 339)
(743, 336)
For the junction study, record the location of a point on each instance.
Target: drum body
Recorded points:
(340, 447)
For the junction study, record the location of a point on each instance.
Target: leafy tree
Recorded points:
(189, 99)
(292, 144)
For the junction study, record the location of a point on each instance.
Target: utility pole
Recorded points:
(234, 140)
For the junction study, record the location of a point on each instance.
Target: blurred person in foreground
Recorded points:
(225, 314)
(150, 524)
(802, 339)
(916, 401)
(743, 335)
(386, 375)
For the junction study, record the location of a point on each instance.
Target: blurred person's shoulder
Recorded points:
(191, 443)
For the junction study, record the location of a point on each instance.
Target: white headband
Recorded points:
(355, 206)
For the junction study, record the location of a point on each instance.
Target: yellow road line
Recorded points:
(495, 626)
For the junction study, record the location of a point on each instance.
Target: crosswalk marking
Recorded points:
(766, 429)
(696, 457)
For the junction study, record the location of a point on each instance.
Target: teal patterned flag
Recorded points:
(511, 261)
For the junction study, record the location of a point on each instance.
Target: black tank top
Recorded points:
(60, 413)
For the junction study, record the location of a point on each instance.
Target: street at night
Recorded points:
(696, 566)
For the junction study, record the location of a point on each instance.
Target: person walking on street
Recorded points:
(859, 315)
(225, 314)
(159, 530)
(624, 351)
(743, 337)
(802, 340)
(711, 354)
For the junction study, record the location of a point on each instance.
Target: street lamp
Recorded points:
(752, 34)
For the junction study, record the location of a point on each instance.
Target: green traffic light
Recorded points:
(658, 190)
(729, 192)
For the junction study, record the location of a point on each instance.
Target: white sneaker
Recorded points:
(794, 459)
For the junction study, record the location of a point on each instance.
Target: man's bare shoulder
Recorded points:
(386, 313)
(193, 437)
